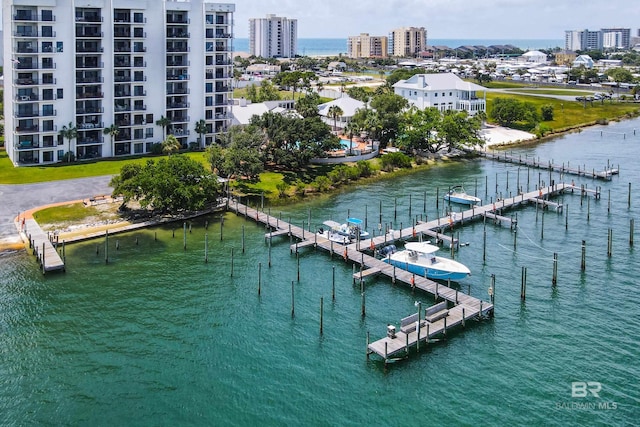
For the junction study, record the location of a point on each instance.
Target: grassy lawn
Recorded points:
(30, 174)
(270, 179)
(242, 92)
(500, 84)
(75, 212)
(550, 91)
(573, 113)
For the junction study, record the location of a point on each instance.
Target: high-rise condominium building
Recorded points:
(104, 78)
(582, 40)
(606, 38)
(273, 37)
(616, 38)
(366, 46)
(409, 41)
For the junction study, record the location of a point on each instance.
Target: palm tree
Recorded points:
(69, 132)
(171, 145)
(350, 129)
(334, 112)
(201, 129)
(164, 122)
(112, 131)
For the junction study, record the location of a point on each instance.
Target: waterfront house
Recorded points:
(445, 91)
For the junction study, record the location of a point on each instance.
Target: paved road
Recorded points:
(18, 198)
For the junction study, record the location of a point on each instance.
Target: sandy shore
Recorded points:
(498, 135)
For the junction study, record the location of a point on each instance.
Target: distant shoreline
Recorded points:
(336, 46)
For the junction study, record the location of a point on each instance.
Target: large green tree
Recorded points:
(418, 130)
(292, 141)
(307, 106)
(243, 156)
(359, 93)
(458, 130)
(619, 75)
(174, 184)
(506, 111)
(388, 107)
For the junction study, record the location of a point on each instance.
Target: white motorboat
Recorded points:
(354, 228)
(333, 232)
(458, 195)
(419, 258)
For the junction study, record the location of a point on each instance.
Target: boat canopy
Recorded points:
(422, 247)
(354, 221)
(332, 224)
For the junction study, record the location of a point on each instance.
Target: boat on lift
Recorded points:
(419, 258)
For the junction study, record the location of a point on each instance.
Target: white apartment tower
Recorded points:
(93, 77)
(273, 37)
(408, 42)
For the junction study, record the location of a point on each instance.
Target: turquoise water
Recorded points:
(335, 46)
(159, 337)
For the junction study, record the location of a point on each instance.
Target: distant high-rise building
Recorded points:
(583, 40)
(366, 46)
(273, 37)
(408, 41)
(616, 38)
(606, 38)
(117, 75)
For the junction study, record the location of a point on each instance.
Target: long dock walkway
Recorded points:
(605, 174)
(461, 307)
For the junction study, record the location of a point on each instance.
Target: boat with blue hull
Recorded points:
(419, 258)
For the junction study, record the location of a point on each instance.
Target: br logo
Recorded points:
(584, 389)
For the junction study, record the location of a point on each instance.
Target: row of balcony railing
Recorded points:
(33, 16)
(21, 113)
(30, 145)
(34, 65)
(34, 34)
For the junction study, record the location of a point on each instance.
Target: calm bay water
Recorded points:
(333, 47)
(158, 337)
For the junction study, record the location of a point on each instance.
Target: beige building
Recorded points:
(366, 46)
(408, 41)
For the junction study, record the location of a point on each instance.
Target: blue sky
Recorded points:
(460, 19)
(444, 19)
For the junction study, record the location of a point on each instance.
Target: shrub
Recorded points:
(364, 168)
(322, 183)
(546, 112)
(542, 129)
(156, 148)
(300, 187)
(282, 188)
(68, 157)
(391, 161)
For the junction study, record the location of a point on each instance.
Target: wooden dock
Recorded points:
(43, 249)
(606, 174)
(462, 307)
